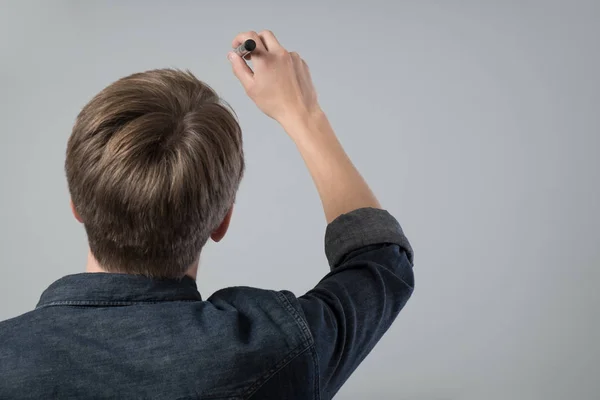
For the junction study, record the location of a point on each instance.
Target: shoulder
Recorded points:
(267, 334)
(275, 309)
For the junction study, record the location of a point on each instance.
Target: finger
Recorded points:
(306, 67)
(297, 63)
(297, 60)
(270, 41)
(241, 70)
(307, 76)
(242, 37)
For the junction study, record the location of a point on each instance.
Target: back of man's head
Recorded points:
(153, 165)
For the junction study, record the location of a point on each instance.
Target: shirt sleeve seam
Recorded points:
(308, 336)
(254, 388)
(306, 344)
(297, 317)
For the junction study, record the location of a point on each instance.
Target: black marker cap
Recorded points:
(249, 45)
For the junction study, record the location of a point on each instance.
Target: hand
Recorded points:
(280, 84)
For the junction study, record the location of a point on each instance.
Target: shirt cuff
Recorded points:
(360, 228)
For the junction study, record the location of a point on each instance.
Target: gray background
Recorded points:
(476, 123)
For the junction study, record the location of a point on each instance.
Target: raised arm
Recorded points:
(371, 275)
(282, 87)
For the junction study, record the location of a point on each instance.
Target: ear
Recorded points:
(75, 213)
(220, 232)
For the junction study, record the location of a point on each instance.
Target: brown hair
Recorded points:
(153, 165)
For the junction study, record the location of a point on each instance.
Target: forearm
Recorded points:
(341, 187)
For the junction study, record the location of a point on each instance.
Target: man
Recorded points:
(153, 165)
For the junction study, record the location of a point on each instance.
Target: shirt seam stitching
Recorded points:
(317, 387)
(251, 391)
(104, 303)
(308, 335)
(299, 320)
(305, 344)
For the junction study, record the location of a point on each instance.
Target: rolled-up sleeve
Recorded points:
(370, 281)
(361, 228)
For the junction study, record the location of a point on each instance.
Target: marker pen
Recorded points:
(245, 48)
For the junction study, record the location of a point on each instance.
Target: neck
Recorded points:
(92, 266)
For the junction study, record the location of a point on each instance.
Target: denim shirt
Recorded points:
(104, 335)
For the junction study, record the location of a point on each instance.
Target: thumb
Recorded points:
(241, 70)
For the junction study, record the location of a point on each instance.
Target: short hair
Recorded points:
(153, 166)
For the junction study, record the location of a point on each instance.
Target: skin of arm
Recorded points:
(341, 187)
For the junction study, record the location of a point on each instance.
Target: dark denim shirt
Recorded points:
(101, 335)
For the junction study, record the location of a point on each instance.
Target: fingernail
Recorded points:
(230, 56)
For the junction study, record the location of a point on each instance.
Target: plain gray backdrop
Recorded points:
(476, 123)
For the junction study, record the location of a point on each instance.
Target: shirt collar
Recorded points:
(104, 288)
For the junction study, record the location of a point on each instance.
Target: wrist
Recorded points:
(301, 124)
(314, 137)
